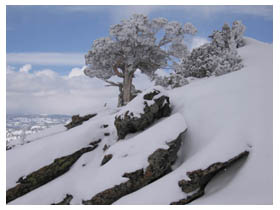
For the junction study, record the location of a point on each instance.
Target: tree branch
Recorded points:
(115, 68)
(113, 83)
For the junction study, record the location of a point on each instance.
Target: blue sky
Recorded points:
(57, 37)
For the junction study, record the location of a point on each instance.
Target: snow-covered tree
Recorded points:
(171, 81)
(238, 30)
(217, 57)
(134, 44)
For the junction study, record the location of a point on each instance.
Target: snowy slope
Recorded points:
(30, 157)
(225, 116)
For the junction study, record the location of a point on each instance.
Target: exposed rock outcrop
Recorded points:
(45, 174)
(65, 201)
(154, 108)
(77, 120)
(106, 159)
(94, 143)
(200, 178)
(160, 163)
(104, 126)
(9, 147)
(105, 147)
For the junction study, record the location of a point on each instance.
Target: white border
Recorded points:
(276, 88)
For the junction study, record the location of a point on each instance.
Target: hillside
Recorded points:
(224, 116)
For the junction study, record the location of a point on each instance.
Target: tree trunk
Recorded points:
(127, 84)
(120, 97)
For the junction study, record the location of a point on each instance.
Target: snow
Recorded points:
(137, 105)
(128, 155)
(225, 116)
(28, 136)
(30, 157)
(44, 133)
(144, 144)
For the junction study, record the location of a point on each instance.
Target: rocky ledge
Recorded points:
(77, 120)
(46, 174)
(199, 179)
(160, 162)
(156, 105)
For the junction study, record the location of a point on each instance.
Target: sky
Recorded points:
(45, 48)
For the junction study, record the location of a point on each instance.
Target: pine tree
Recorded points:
(135, 44)
(217, 57)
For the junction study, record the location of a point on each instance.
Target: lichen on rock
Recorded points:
(106, 159)
(200, 178)
(45, 174)
(160, 162)
(65, 201)
(77, 120)
(154, 105)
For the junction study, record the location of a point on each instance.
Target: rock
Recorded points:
(105, 147)
(150, 96)
(106, 159)
(200, 178)
(160, 163)
(65, 201)
(94, 143)
(77, 120)
(154, 108)
(9, 147)
(45, 174)
(104, 126)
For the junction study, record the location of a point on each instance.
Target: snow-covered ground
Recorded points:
(24, 128)
(225, 115)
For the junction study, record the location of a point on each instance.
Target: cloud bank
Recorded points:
(46, 92)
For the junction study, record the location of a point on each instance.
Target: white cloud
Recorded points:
(52, 58)
(47, 73)
(76, 72)
(26, 68)
(45, 91)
